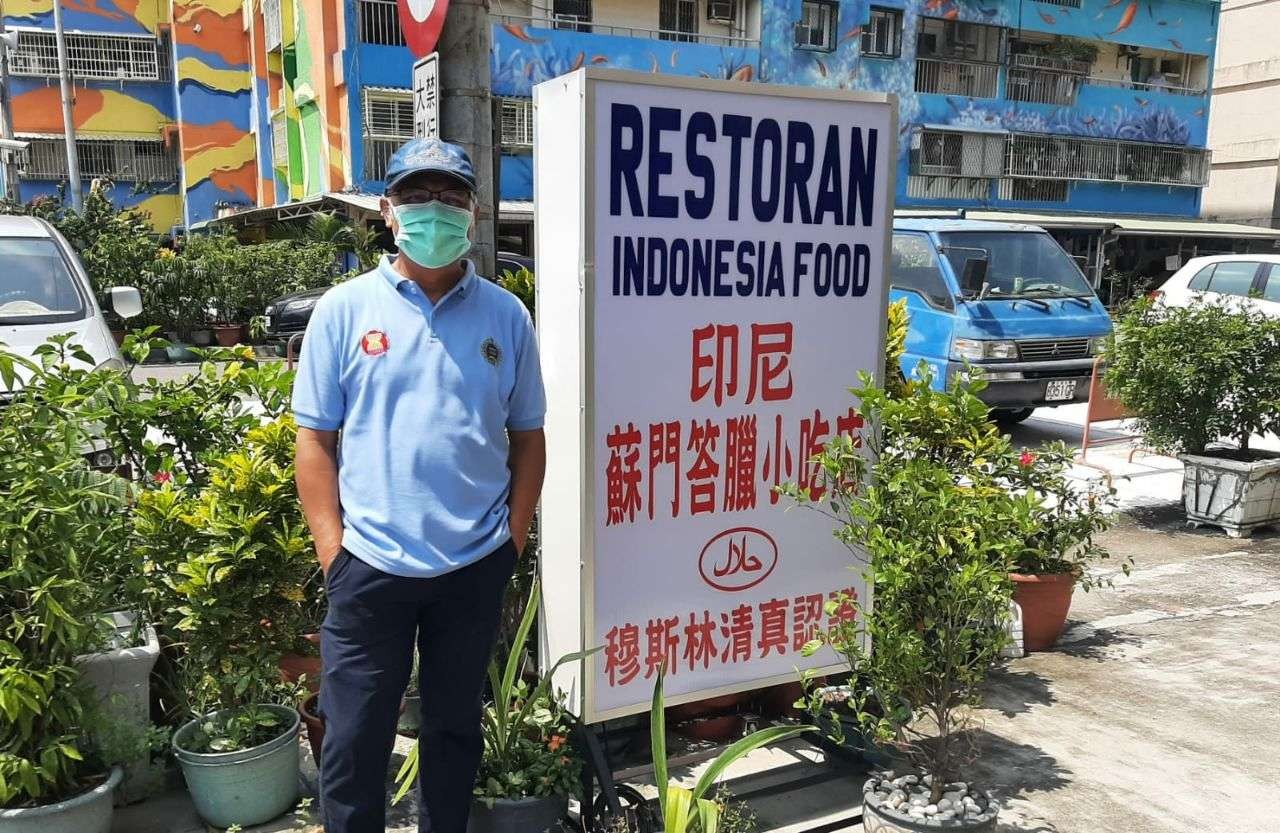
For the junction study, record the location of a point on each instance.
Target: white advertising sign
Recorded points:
(426, 96)
(711, 259)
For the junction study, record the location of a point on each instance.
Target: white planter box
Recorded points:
(121, 677)
(1235, 495)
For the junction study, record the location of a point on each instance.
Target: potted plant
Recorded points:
(1200, 381)
(1055, 558)
(685, 810)
(937, 536)
(236, 599)
(58, 519)
(528, 769)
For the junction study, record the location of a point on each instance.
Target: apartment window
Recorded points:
(1033, 190)
(122, 160)
(882, 36)
(1040, 156)
(572, 14)
(388, 123)
(271, 23)
(102, 57)
(280, 140)
(380, 23)
(678, 20)
(816, 30)
(955, 40)
(923, 187)
(517, 122)
(956, 153)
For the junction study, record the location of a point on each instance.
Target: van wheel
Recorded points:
(1011, 416)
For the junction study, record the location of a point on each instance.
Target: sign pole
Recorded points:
(68, 119)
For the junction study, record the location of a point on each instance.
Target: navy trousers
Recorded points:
(367, 644)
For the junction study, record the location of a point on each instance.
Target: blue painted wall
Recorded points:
(524, 55)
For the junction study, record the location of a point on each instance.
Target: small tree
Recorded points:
(1195, 375)
(940, 531)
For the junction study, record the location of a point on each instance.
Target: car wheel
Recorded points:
(1011, 416)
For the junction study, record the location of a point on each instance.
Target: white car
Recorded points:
(1248, 280)
(44, 291)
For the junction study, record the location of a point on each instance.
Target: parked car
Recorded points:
(1004, 298)
(44, 291)
(1249, 280)
(288, 315)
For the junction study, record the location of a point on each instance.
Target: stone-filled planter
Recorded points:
(246, 787)
(892, 805)
(857, 747)
(121, 678)
(518, 815)
(1045, 601)
(1237, 495)
(89, 812)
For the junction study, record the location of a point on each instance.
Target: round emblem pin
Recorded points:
(375, 343)
(491, 351)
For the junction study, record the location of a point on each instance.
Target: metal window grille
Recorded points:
(101, 57)
(882, 36)
(954, 39)
(280, 140)
(380, 23)
(817, 27)
(678, 20)
(722, 11)
(388, 123)
(1041, 86)
(1040, 156)
(957, 78)
(1033, 190)
(948, 187)
(272, 23)
(123, 160)
(517, 122)
(956, 153)
(574, 15)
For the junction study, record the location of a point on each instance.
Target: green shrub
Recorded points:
(59, 523)
(1195, 375)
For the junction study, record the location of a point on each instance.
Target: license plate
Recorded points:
(1060, 389)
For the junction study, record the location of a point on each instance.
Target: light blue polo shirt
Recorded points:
(424, 396)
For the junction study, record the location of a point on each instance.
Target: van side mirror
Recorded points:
(974, 276)
(126, 302)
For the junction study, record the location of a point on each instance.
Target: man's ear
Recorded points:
(388, 215)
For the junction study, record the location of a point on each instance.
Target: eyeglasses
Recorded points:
(451, 196)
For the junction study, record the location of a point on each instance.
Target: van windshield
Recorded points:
(1022, 264)
(35, 284)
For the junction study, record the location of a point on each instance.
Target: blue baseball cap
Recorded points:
(420, 156)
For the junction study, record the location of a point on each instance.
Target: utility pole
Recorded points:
(466, 117)
(68, 122)
(6, 116)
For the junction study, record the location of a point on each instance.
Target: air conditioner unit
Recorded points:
(721, 11)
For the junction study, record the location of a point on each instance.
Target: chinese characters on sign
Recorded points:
(733, 257)
(426, 97)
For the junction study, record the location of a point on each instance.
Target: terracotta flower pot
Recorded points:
(117, 335)
(293, 666)
(310, 712)
(703, 708)
(227, 335)
(724, 727)
(780, 700)
(1045, 601)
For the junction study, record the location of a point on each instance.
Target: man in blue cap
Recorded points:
(430, 374)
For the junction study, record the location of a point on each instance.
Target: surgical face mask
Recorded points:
(432, 234)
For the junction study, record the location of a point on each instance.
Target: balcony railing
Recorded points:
(123, 160)
(1042, 86)
(1048, 62)
(1141, 86)
(1105, 160)
(956, 78)
(635, 31)
(377, 154)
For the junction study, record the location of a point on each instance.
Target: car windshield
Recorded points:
(1021, 264)
(35, 285)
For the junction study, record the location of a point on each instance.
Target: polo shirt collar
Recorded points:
(462, 288)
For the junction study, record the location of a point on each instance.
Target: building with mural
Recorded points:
(161, 102)
(1081, 106)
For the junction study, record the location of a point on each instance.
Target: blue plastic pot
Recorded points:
(248, 787)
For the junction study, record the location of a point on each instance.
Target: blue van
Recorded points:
(1003, 297)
